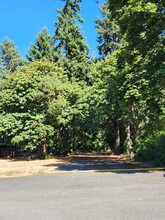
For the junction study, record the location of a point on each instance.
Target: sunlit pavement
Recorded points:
(135, 195)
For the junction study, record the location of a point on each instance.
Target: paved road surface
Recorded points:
(84, 196)
(96, 163)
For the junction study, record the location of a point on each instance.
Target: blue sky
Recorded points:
(22, 20)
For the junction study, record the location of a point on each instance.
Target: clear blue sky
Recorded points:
(22, 20)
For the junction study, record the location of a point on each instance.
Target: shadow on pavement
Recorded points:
(103, 163)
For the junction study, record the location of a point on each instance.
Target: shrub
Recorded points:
(152, 148)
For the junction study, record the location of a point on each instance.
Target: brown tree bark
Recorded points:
(117, 147)
(42, 149)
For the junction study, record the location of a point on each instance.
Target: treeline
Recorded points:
(61, 101)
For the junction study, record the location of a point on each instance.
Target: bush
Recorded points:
(152, 148)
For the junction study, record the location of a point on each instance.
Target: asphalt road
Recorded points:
(84, 196)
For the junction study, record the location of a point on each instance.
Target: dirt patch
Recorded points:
(15, 168)
(108, 156)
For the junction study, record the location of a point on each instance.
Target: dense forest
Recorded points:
(61, 101)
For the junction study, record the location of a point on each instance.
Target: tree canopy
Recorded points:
(70, 41)
(10, 58)
(109, 38)
(43, 48)
(62, 101)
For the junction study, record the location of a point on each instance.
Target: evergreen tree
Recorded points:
(43, 48)
(10, 58)
(71, 46)
(109, 32)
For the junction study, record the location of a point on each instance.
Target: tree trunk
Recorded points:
(129, 142)
(42, 150)
(137, 135)
(117, 147)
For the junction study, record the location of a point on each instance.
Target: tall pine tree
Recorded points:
(71, 46)
(43, 47)
(10, 58)
(109, 38)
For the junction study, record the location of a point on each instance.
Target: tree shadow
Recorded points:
(102, 163)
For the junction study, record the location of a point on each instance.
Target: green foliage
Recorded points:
(43, 48)
(70, 42)
(40, 106)
(9, 126)
(152, 148)
(25, 99)
(139, 63)
(146, 16)
(109, 32)
(10, 59)
(61, 102)
(24, 130)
